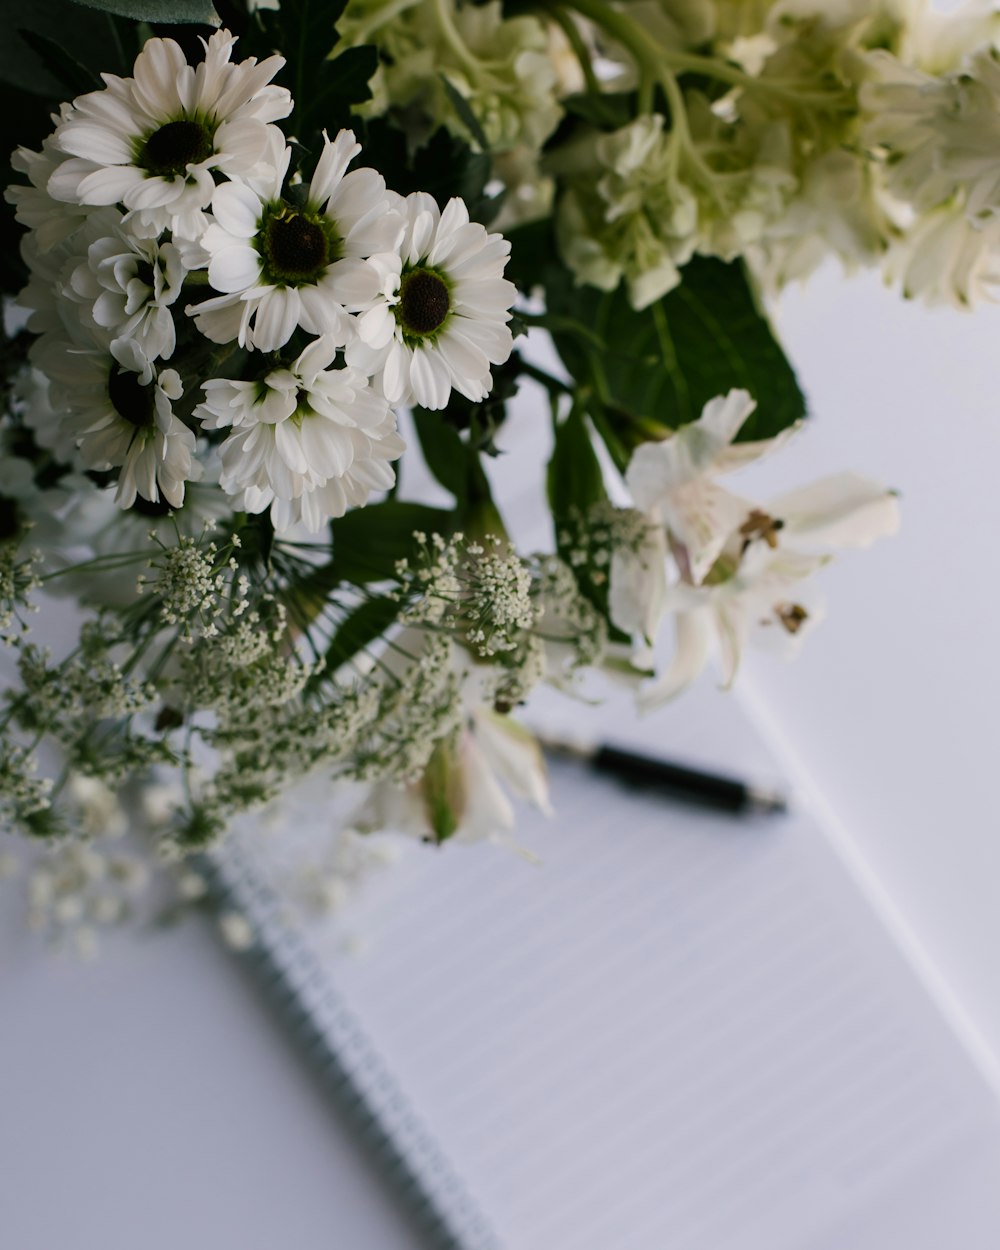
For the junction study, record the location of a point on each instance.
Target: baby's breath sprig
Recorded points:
(196, 583)
(18, 578)
(480, 591)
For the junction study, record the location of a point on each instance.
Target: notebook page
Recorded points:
(680, 1030)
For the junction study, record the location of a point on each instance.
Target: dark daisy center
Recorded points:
(130, 399)
(176, 145)
(424, 302)
(10, 518)
(295, 247)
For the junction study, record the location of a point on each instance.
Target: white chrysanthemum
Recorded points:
(50, 220)
(128, 285)
(282, 266)
(308, 441)
(440, 320)
(119, 414)
(152, 142)
(48, 272)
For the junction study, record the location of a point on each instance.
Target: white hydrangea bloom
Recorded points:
(626, 214)
(308, 441)
(503, 67)
(152, 141)
(440, 319)
(280, 266)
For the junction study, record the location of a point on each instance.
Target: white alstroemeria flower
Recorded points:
(637, 594)
(280, 266)
(673, 481)
(462, 796)
(439, 319)
(153, 141)
(118, 412)
(944, 258)
(129, 285)
(755, 588)
(308, 441)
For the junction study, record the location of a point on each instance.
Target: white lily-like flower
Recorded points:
(756, 587)
(722, 565)
(463, 794)
(673, 482)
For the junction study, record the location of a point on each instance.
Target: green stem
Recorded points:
(452, 37)
(579, 49)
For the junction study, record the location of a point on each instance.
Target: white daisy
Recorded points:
(118, 412)
(128, 285)
(280, 265)
(440, 318)
(151, 142)
(308, 441)
(50, 221)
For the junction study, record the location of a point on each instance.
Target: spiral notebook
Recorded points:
(678, 1031)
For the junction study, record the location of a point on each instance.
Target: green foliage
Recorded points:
(325, 86)
(465, 114)
(194, 12)
(443, 791)
(611, 110)
(650, 371)
(368, 541)
(661, 365)
(64, 68)
(575, 480)
(443, 166)
(367, 622)
(446, 455)
(457, 465)
(53, 50)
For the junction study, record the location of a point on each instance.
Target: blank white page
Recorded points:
(680, 1031)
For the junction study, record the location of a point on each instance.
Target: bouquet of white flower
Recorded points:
(267, 253)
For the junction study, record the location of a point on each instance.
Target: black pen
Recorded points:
(678, 781)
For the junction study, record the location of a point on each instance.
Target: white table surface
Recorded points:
(149, 1100)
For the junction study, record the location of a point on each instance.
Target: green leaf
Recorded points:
(443, 166)
(65, 69)
(325, 83)
(574, 479)
(661, 365)
(446, 455)
(465, 114)
(364, 625)
(193, 12)
(368, 541)
(443, 791)
(532, 248)
(611, 110)
(28, 62)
